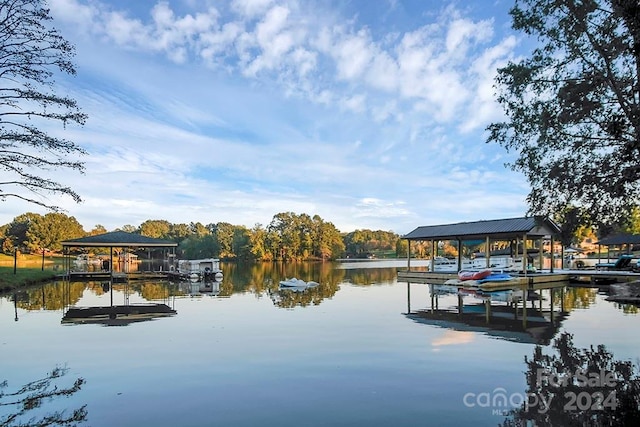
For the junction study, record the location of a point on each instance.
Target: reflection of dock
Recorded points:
(115, 276)
(520, 319)
(117, 315)
(503, 323)
(519, 280)
(538, 279)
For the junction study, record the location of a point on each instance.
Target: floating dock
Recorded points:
(540, 279)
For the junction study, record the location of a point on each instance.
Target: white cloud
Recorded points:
(256, 107)
(250, 8)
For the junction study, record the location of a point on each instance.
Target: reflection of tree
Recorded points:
(367, 276)
(582, 387)
(576, 298)
(261, 278)
(628, 308)
(289, 298)
(31, 397)
(153, 290)
(52, 296)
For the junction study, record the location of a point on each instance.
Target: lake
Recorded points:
(360, 349)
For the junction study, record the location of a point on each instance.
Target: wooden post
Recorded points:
(433, 255)
(433, 299)
(15, 260)
(42, 259)
(487, 252)
(553, 255)
(525, 258)
(525, 298)
(540, 258)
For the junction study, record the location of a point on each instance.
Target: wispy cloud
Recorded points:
(216, 111)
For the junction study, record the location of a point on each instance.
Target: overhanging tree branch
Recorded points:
(29, 53)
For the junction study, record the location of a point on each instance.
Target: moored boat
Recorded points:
(198, 270)
(297, 283)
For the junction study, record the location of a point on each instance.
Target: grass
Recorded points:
(28, 271)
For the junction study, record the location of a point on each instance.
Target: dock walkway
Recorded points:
(539, 279)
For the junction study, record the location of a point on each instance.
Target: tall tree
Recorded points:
(573, 106)
(48, 231)
(18, 229)
(30, 52)
(156, 228)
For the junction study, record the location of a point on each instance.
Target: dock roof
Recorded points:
(620, 239)
(119, 239)
(510, 228)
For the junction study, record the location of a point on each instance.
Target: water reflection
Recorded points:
(342, 347)
(574, 386)
(289, 298)
(263, 278)
(124, 313)
(27, 405)
(520, 315)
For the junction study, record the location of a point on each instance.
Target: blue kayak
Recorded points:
(496, 277)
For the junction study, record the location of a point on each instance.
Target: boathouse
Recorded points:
(624, 241)
(114, 240)
(518, 231)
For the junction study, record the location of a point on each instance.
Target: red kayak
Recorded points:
(474, 275)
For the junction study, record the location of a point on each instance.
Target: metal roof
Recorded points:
(510, 228)
(118, 239)
(620, 239)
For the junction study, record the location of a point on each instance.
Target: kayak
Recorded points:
(496, 277)
(474, 274)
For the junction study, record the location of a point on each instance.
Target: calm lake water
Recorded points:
(360, 349)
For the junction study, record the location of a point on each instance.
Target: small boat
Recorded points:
(474, 274)
(297, 283)
(197, 269)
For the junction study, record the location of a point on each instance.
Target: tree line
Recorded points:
(288, 237)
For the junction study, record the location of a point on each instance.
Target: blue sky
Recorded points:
(370, 114)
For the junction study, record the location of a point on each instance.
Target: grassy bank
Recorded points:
(29, 271)
(23, 277)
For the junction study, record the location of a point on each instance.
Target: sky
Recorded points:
(371, 114)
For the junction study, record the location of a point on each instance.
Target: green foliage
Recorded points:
(631, 224)
(289, 237)
(359, 243)
(49, 230)
(294, 237)
(98, 229)
(32, 232)
(32, 51)
(573, 106)
(157, 229)
(574, 225)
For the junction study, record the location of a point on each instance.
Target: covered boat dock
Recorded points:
(112, 240)
(519, 232)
